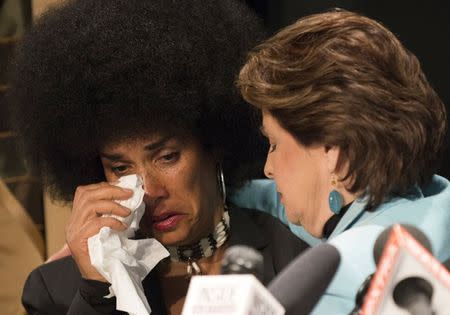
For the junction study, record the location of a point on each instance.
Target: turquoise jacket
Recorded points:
(428, 208)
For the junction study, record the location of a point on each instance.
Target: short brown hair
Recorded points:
(342, 79)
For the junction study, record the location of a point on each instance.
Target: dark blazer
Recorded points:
(53, 288)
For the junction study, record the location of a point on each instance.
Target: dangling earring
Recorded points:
(335, 199)
(299, 222)
(221, 183)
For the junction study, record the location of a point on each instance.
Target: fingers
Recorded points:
(109, 192)
(110, 222)
(93, 226)
(77, 239)
(90, 203)
(77, 235)
(97, 199)
(102, 207)
(103, 191)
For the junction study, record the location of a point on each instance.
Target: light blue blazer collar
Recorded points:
(356, 212)
(352, 215)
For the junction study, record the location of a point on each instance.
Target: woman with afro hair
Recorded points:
(108, 88)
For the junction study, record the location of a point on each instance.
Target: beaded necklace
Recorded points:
(203, 248)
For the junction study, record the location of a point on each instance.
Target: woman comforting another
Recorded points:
(355, 133)
(109, 88)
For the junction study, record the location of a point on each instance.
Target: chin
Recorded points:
(171, 238)
(315, 231)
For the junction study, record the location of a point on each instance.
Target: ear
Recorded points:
(332, 157)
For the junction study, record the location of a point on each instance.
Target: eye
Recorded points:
(119, 170)
(170, 157)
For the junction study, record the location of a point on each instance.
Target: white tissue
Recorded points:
(135, 203)
(123, 262)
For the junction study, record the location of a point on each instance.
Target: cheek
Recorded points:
(299, 195)
(183, 182)
(296, 180)
(192, 183)
(110, 177)
(287, 171)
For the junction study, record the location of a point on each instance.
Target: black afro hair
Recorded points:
(89, 72)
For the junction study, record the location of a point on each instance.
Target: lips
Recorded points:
(167, 221)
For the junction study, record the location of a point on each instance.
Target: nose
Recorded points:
(268, 168)
(154, 189)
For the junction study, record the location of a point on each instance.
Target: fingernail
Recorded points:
(127, 190)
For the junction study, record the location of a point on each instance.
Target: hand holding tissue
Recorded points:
(124, 262)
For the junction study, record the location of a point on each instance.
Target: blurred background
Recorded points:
(32, 226)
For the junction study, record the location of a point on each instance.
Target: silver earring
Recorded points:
(221, 183)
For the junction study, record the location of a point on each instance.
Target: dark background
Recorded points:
(422, 26)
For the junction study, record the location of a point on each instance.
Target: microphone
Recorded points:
(408, 280)
(382, 239)
(377, 251)
(301, 284)
(240, 259)
(236, 292)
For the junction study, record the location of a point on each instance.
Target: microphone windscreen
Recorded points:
(301, 284)
(240, 259)
(384, 236)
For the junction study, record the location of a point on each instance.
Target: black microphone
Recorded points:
(301, 284)
(240, 259)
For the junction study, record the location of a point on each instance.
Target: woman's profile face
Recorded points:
(181, 195)
(301, 175)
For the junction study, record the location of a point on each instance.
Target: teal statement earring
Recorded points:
(335, 198)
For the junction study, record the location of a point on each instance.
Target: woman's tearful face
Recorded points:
(181, 194)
